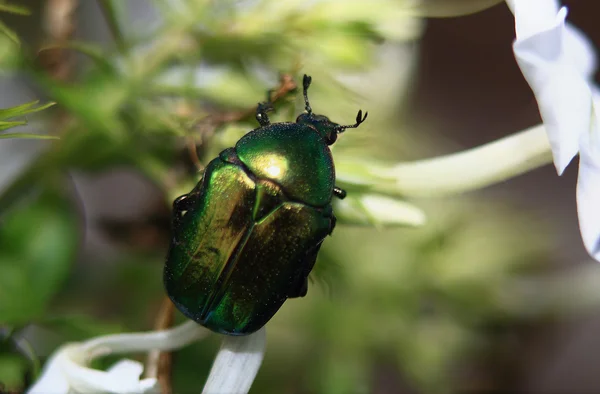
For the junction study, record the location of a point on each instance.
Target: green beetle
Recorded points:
(247, 236)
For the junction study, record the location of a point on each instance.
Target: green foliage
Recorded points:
(12, 9)
(18, 111)
(12, 369)
(38, 241)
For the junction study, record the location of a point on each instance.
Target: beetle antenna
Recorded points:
(305, 84)
(359, 120)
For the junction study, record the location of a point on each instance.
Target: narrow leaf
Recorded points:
(16, 110)
(8, 125)
(14, 9)
(111, 10)
(9, 33)
(23, 109)
(29, 136)
(94, 52)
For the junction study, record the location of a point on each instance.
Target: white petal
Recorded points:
(562, 92)
(129, 372)
(67, 372)
(533, 16)
(122, 378)
(236, 364)
(53, 380)
(588, 187)
(580, 51)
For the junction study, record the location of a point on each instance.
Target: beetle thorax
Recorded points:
(295, 156)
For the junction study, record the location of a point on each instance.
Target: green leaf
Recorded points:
(27, 135)
(94, 52)
(12, 372)
(8, 125)
(11, 56)
(9, 33)
(14, 9)
(38, 242)
(113, 11)
(23, 109)
(97, 102)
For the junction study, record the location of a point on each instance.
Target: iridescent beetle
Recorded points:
(247, 236)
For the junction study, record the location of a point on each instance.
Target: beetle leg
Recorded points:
(339, 192)
(328, 213)
(300, 286)
(182, 204)
(332, 225)
(304, 288)
(261, 113)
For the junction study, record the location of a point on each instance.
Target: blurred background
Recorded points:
(494, 294)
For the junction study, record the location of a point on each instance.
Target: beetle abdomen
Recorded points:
(268, 266)
(207, 236)
(240, 249)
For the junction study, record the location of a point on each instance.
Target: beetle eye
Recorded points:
(332, 137)
(302, 118)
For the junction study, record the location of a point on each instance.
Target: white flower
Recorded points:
(558, 62)
(67, 371)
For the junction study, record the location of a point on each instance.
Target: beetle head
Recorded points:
(328, 129)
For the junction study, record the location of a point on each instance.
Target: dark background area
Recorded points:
(459, 83)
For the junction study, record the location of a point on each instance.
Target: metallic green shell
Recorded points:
(295, 157)
(241, 250)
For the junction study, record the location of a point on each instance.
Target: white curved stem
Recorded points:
(173, 338)
(475, 168)
(236, 364)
